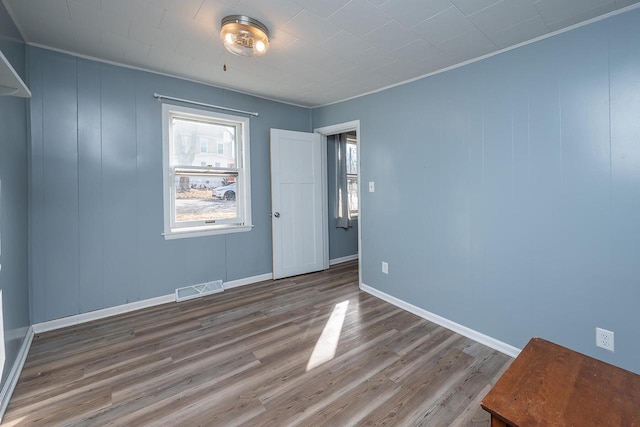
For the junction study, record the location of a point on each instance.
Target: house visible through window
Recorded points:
(201, 198)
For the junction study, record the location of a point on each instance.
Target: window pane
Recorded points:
(352, 159)
(204, 145)
(205, 198)
(187, 133)
(352, 190)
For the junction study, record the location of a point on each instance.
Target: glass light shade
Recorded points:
(6, 90)
(244, 36)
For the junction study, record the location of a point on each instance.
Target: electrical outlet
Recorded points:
(385, 267)
(372, 186)
(604, 339)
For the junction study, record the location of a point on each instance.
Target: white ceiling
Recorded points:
(321, 51)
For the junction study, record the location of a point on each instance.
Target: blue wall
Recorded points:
(14, 275)
(8, 30)
(342, 242)
(508, 191)
(96, 188)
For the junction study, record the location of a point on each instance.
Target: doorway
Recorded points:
(301, 240)
(335, 232)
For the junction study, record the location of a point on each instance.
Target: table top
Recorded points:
(548, 384)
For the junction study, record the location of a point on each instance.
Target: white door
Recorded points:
(296, 203)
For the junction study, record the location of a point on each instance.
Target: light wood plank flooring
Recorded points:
(247, 357)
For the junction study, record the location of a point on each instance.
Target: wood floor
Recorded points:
(247, 357)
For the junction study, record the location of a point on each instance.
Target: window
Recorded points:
(220, 148)
(201, 199)
(346, 179)
(352, 175)
(204, 145)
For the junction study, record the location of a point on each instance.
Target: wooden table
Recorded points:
(549, 385)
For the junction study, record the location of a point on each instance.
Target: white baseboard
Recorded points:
(493, 343)
(248, 280)
(343, 259)
(77, 319)
(16, 370)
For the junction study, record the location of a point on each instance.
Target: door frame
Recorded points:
(325, 132)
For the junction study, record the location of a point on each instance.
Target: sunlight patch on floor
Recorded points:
(16, 422)
(327, 344)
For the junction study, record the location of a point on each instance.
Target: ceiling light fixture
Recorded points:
(244, 36)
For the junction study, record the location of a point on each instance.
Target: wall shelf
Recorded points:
(10, 82)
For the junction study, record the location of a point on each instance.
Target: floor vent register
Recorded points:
(196, 291)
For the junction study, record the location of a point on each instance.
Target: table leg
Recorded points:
(496, 422)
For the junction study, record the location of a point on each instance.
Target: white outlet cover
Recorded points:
(385, 267)
(372, 187)
(604, 339)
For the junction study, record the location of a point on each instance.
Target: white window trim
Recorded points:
(244, 201)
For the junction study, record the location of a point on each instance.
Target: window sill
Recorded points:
(201, 232)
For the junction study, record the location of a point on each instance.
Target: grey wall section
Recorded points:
(508, 191)
(342, 242)
(8, 29)
(14, 275)
(96, 194)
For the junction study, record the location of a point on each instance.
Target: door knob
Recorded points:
(277, 214)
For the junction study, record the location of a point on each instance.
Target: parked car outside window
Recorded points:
(226, 192)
